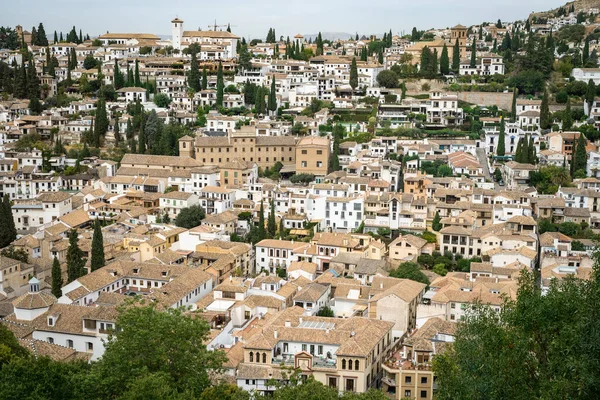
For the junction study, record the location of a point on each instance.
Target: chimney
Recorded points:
(288, 324)
(275, 334)
(381, 285)
(300, 320)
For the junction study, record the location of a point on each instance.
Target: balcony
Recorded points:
(317, 361)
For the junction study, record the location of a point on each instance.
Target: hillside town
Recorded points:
(334, 209)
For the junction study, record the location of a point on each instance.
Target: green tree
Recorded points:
(220, 85)
(136, 75)
(353, 74)
(444, 61)
(436, 225)
(497, 175)
(325, 312)
(144, 347)
(204, 85)
(194, 74)
(590, 94)
(97, 260)
(456, 57)
(580, 155)
(545, 119)
(387, 79)
(190, 217)
(118, 78)
(520, 351)
(57, 281)
(513, 107)
(567, 122)
(500, 150)
(272, 100)
(271, 223)
(410, 270)
(8, 231)
(162, 100)
(262, 233)
(75, 260)
(473, 61)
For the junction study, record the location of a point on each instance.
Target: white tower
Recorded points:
(177, 33)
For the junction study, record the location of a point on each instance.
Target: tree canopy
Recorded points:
(190, 217)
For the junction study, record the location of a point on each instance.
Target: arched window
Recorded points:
(251, 357)
(350, 365)
(344, 364)
(264, 358)
(356, 365)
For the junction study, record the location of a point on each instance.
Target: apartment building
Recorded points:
(312, 156)
(345, 354)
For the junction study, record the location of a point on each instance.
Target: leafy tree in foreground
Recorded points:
(145, 347)
(538, 346)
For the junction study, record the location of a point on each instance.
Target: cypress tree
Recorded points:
(73, 58)
(473, 62)
(531, 157)
(568, 118)
(57, 280)
(136, 78)
(142, 138)
(129, 77)
(220, 85)
(585, 55)
(5, 234)
(436, 224)
(444, 61)
(61, 38)
(118, 79)
(590, 94)
(20, 85)
(525, 150)
(34, 36)
(500, 150)
(580, 161)
(262, 234)
(272, 103)
(75, 260)
(380, 57)
(495, 46)
(11, 222)
(425, 61)
(97, 260)
(456, 57)
(42, 40)
(271, 224)
(33, 82)
(545, 112)
(194, 74)
(519, 151)
(204, 78)
(55, 37)
(80, 37)
(433, 65)
(117, 130)
(353, 74)
(513, 108)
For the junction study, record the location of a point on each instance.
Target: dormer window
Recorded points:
(50, 321)
(136, 270)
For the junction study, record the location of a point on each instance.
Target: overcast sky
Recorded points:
(252, 18)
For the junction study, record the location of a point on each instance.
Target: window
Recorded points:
(407, 393)
(423, 379)
(89, 346)
(264, 358)
(349, 385)
(344, 364)
(70, 343)
(423, 394)
(304, 347)
(332, 382)
(251, 357)
(407, 379)
(356, 365)
(304, 152)
(320, 350)
(51, 340)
